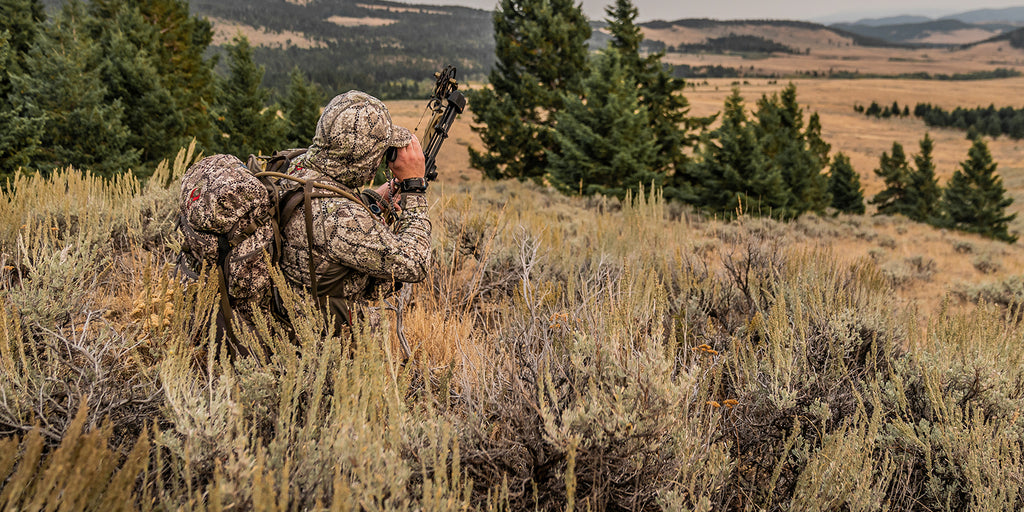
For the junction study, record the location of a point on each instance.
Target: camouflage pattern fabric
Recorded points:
(219, 196)
(371, 254)
(351, 137)
(357, 254)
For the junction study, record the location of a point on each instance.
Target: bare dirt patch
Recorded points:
(361, 22)
(393, 8)
(224, 31)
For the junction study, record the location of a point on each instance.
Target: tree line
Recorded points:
(616, 120)
(976, 121)
(989, 121)
(118, 85)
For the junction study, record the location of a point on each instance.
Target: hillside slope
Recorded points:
(940, 32)
(391, 48)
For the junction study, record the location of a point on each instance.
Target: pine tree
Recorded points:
(730, 174)
(301, 108)
(129, 72)
(798, 155)
(844, 186)
(923, 193)
(247, 124)
(152, 63)
(181, 43)
(82, 128)
(660, 92)
(604, 142)
(895, 172)
(541, 58)
(23, 21)
(975, 200)
(20, 125)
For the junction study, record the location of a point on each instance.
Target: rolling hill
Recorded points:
(939, 32)
(955, 29)
(393, 48)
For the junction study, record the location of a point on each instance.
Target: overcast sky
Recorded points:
(814, 10)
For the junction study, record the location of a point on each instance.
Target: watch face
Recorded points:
(414, 185)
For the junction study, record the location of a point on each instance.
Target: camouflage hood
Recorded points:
(351, 137)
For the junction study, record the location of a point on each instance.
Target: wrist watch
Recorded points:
(414, 185)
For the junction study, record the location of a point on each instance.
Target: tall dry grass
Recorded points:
(568, 354)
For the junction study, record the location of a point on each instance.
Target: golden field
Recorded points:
(863, 139)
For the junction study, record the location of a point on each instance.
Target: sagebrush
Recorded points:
(589, 354)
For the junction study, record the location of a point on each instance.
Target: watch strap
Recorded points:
(413, 185)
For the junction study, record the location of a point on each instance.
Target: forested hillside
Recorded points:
(386, 47)
(929, 32)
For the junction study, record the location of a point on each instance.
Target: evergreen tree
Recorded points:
(658, 90)
(247, 124)
(301, 108)
(975, 200)
(129, 71)
(22, 20)
(152, 62)
(844, 186)
(82, 128)
(895, 172)
(815, 144)
(180, 44)
(730, 173)
(541, 58)
(923, 193)
(873, 110)
(798, 155)
(20, 125)
(604, 142)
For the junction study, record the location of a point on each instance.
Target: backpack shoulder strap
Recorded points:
(280, 161)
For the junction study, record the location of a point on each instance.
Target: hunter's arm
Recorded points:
(358, 239)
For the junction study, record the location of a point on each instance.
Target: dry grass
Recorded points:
(399, 8)
(865, 60)
(568, 353)
(796, 38)
(864, 139)
(345, 21)
(224, 31)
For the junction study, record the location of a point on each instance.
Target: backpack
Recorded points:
(230, 215)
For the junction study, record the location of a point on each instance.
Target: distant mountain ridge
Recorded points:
(955, 29)
(1007, 15)
(947, 31)
(905, 19)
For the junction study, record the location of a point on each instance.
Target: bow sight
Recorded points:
(445, 104)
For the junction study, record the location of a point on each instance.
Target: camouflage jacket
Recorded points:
(357, 255)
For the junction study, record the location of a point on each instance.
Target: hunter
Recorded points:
(346, 252)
